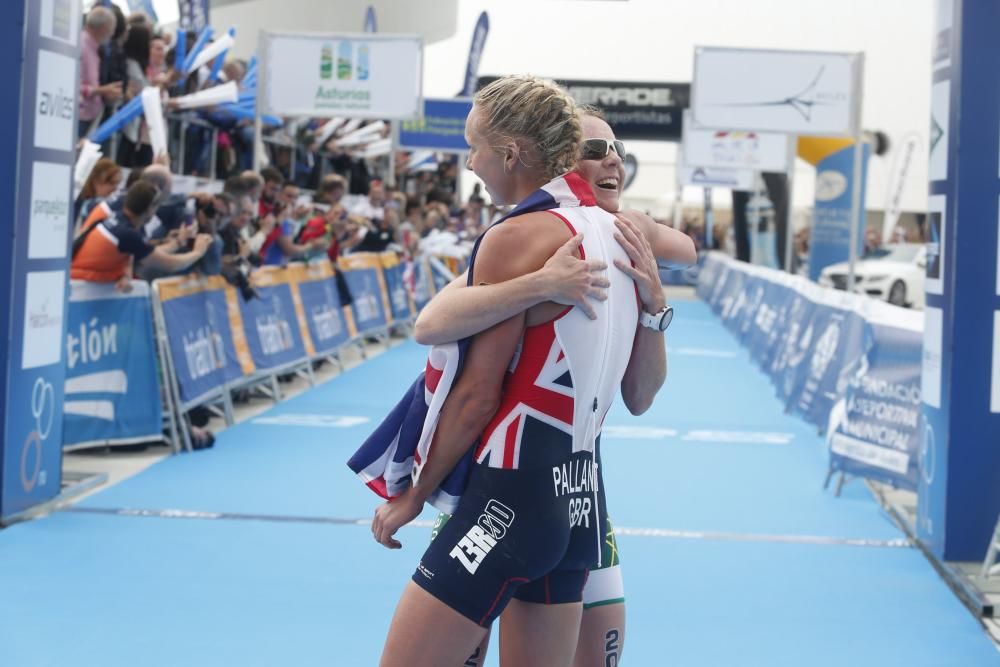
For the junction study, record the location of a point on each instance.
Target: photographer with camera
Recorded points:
(238, 260)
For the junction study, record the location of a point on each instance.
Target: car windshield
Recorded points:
(895, 253)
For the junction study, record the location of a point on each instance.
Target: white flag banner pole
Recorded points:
(152, 107)
(363, 136)
(210, 97)
(351, 125)
(378, 148)
(90, 153)
(209, 53)
(897, 179)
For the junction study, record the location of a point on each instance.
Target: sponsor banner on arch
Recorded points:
(112, 392)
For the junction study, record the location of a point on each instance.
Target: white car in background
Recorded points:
(895, 273)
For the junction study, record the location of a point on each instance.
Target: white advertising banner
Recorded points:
(795, 92)
(717, 177)
(739, 149)
(930, 376)
(937, 168)
(327, 75)
(51, 209)
(55, 109)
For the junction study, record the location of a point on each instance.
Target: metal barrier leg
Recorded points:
(183, 147)
(989, 563)
(213, 155)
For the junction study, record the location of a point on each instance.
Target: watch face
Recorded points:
(666, 318)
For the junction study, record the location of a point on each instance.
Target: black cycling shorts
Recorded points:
(526, 534)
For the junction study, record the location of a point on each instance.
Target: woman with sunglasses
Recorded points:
(531, 396)
(457, 312)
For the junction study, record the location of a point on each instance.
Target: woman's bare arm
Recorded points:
(459, 311)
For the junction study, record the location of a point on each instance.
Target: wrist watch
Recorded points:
(658, 321)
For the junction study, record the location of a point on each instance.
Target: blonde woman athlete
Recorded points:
(459, 311)
(531, 399)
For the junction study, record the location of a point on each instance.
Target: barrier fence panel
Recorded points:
(204, 332)
(321, 318)
(370, 301)
(400, 302)
(847, 363)
(112, 387)
(270, 320)
(423, 286)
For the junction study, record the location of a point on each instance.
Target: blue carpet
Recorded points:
(116, 591)
(104, 590)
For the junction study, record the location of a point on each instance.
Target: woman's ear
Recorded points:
(511, 155)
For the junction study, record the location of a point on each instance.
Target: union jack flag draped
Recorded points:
(395, 452)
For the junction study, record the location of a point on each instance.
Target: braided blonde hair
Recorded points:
(535, 110)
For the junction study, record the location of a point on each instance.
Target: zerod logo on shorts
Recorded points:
(490, 528)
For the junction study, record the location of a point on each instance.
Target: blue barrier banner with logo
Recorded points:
(794, 315)
(840, 346)
(321, 306)
(399, 297)
(831, 230)
(112, 389)
(271, 327)
(367, 305)
(200, 335)
(875, 430)
(422, 287)
(847, 363)
(441, 275)
(39, 42)
(440, 128)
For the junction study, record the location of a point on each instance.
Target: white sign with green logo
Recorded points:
(325, 75)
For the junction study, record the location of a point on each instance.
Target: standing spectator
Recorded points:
(156, 70)
(135, 149)
(104, 180)
(97, 31)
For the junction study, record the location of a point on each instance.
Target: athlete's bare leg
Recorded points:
(478, 657)
(602, 636)
(539, 635)
(425, 632)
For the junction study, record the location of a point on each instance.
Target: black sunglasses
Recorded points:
(598, 149)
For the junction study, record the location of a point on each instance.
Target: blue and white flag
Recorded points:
(475, 54)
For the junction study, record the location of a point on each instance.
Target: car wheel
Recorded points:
(897, 293)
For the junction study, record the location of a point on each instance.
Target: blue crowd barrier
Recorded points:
(112, 391)
(846, 363)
